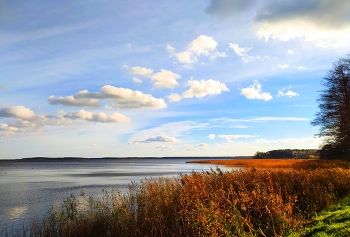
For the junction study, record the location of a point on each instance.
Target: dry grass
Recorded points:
(249, 202)
(278, 163)
(252, 162)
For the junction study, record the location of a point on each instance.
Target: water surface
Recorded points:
(30, 189)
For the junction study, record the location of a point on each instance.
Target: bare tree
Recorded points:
(334, 111)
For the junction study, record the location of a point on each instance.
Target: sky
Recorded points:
(164, 78)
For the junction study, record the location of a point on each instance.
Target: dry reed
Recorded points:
(249, 202)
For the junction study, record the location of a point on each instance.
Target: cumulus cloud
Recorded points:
(72, 101)
(243, 53)
(170, 49)
(162, 79)
(165, 79)
(161, 138)
(203, 146)
(202, 88)
(211, 136)
(6, 127)
(290, 52)
(254, 92)
(20, 112)
(120, 97)
(136, 80)
(230, 137)
(323, 21)
(98, 117)
(201, 46)
(312, 20)
(288, 93)
(199, 89)
(284, 66)
(173, 97)
(141, 71)
(26, 120)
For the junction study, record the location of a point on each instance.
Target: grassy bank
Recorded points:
(250, 202)
(333, 221)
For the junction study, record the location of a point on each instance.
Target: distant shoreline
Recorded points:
(55, 159)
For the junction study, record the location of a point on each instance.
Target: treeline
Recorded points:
(288, 153)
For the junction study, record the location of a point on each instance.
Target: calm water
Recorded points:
(29, 189)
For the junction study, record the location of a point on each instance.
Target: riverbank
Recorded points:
(249, 202)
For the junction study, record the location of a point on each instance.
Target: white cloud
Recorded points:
(120, 97)
(230, 137)
(240, 126)
(141, 71)
(303, 140)
(136, 80)
(173, 129)
(301, 68)
(99, 117)
(6, 127)
(203, 146)
(227, 121)
(211, 136)
(20, 112)
(289, 93)
(254, 92)
(202, 88)
(161, 138)
(201, 46)
(303, 29)
(186, 57)
(190, 147)
(164, 148)
(173, 97)
(323, 22)
(243, 53)
(170, 49)
(72, 101)
(279, 119)
(165, 79)
(215, 55)
(26, 120)
(284, 66)
(162, 79)
(238, 50)
(290, 52)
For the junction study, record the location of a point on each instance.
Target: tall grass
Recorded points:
(277, 163)
(250, 202)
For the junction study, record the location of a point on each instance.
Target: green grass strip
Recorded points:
(331, 222)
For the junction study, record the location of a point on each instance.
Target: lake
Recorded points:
(31, 188)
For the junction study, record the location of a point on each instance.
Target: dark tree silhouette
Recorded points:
(334, 111)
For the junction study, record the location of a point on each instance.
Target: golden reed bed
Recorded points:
(258, 163)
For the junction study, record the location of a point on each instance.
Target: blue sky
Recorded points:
(164, 78)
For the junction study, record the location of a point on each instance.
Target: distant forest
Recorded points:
(288, 153)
